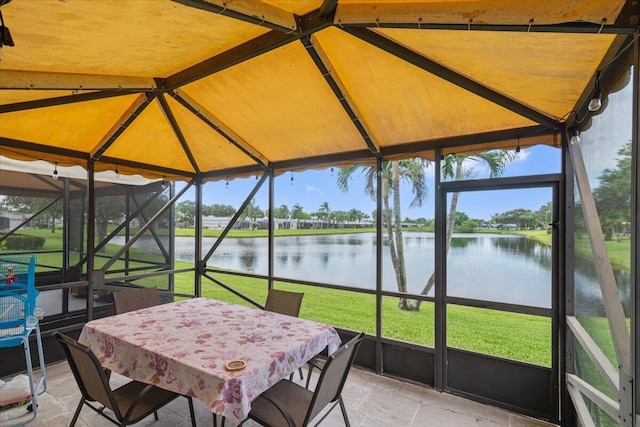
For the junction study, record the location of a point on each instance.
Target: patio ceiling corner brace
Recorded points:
(275, 18)
(264, 43)
(420, 61)
(166, 110)
(134, 110)
(322, 61)
(216, 124)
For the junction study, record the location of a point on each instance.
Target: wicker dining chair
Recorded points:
(124, 301)
(129, 403)
(287, 403)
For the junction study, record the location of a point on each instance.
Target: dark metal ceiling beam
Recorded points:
(60, 100)
(574, 27)
(309, 23)
(39, 148)
(178, 132)
(337, 91)
(32, 192)
(128, 117)
(233, 172)
(226, 11)
(148, 167)
(467, 140)
(451, 76)
(328, 7)
(204, 115)
(395, 150)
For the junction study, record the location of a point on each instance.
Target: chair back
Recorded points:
(125, 301)
(89, 374)
(334, 375)
(284, 302)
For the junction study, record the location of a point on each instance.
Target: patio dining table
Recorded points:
(220, 353)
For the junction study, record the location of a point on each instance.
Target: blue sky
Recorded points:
(312, 188)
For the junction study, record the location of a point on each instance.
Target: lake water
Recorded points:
(509, 269)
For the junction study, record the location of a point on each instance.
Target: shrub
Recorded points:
(21, 242)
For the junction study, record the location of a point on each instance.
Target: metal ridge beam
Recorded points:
(574, 27)
(320, 58)
(310, 23)
(41, 148)
(467, 140)
(229, 11)
(216, 124)
(40, 80)
(160, 170)
(451, 76)
(407, 148)
(59, 100)
(125, 120)
(294, 164)
(164, 106)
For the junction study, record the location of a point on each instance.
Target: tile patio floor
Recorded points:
(371, 400)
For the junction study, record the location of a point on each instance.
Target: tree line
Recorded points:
(323, 216)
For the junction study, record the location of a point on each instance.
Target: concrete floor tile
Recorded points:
(371, 400)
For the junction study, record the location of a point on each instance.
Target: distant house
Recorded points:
(278, 223)
(9, 221)
(221, 222)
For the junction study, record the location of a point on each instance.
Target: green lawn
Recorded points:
(514, 336)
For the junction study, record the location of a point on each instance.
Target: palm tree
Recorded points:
(253, 212)
(413, 171)
(323, 212)
(297, 213)
(282, 212)
(452, 167)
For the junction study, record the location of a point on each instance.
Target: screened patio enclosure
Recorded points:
(133, 104)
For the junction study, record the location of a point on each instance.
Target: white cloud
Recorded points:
(312, 189)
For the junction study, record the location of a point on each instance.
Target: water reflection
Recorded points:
(588, 297)
(530, 248)
(510, 269)
(248, 259)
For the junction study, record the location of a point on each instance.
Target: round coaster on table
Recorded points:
(235, 365)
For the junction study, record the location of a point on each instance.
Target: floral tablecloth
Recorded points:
(184, 347)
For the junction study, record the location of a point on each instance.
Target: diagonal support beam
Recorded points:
(607, 370)
(613, 306)
(103, 270)
(339, 89)
(603, 401)
(412, 57)
(237, 215)
(252, 12)
(310, 23)
(216, 124)
(134, 110)
(178, 132)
